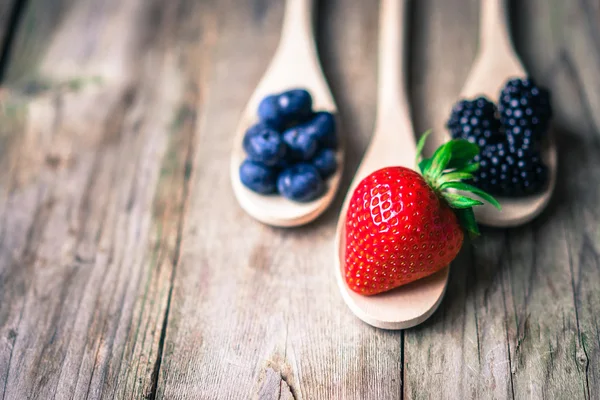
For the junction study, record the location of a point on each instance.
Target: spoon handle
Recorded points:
(297, 29)
(494, 29)
(393, 125)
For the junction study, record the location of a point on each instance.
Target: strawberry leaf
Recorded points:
(454, 176)
(463, 153)
(467, 220)
(470, 168)
(471, 189)
(459, 201)
(439, 161)
(450, 164)
(424, 165)
(421, 146)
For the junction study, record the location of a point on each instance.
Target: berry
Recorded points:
(264, 145)
(508, 171)
(258, 177)
(269, 114)
(300, 182)
(290, 149)
(284, 163)
(400, 226)
(283, 110)
(325, 162)
(295, 105)
(525, 110)
(322, 126)
(475, 120)
(510, 143)
(301, 146)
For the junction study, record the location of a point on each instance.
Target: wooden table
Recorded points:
(127, 269)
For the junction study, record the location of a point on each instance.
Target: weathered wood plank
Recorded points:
(116, 211)
(7, 8)
(248, 298)
(479, 345)
(560, 345)
(462, 351)
(274, 387)
(519, 319)
(103, 97)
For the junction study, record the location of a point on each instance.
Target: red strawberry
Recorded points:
(401, 226)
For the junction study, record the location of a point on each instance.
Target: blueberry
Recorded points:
(300, 182)
(301, 146)
(295, 105)
(258, 177)
(264, 145)
(284, 163)
(325, 162)
(322, 127)
(269, 113)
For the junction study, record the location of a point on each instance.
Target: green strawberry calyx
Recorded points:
(451, 164)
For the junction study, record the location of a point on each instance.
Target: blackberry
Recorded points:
(525, 111)
(505, 170)
(475, 120)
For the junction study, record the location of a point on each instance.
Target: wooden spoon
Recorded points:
(294, 65)
(494, 65)
(393, 144)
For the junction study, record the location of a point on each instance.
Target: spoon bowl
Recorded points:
(400, 308)
(496, 63)
(294, 65)
(393, 144)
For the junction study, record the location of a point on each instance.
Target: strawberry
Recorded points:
(402, 226)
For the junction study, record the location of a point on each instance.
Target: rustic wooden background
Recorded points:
(127, 269)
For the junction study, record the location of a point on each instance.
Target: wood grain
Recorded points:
(267, 298)
(7, 10)
(511, 325)
(102, 119)
(127, 269)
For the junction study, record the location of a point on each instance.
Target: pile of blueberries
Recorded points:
(509, 135)
(291, 150)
